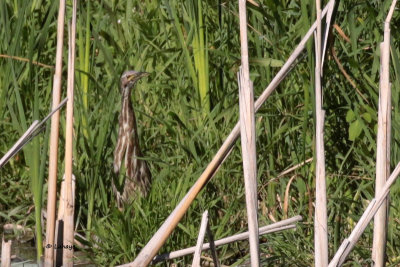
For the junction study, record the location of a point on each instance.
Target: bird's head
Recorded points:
(129, 78)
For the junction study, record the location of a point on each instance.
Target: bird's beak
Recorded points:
(138, 75)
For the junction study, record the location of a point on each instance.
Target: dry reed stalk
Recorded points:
(32, 131)
(27, 60)
(254, 3)
(286, 199)
(68, 235)
(60, 218)
(158, 239)
(63, 198)
(19, 144)
(5, 253)
(272, 228)
(383, 146)
(295, 167)
(341, 33)
(320, 218)
(348, 244)
(200, 240)
(248, 138)
(328, 19)
(287, 171)
(53, 156)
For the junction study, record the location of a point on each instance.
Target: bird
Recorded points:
(138, 176)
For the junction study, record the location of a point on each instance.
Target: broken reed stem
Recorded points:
(5, 253)
(63, 197)
(248, 138)
(158, 239)
(200, 240)
(69, 204)
(53, 156)
(348, 244)
(32, 131)
(60, 218)
(329, 13)
(320, 218)
(383, 146)
(272, 228)
(18, 145)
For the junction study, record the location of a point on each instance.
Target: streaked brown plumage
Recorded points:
(138, 176)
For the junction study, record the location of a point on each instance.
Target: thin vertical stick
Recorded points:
(5, 253)
(53, 157)
(158, 239)
(212, 246)
(379, 244)
(383, 146)
(248, 138)
(69, 204)
(200, 240)
(388, 129)
(320, 224)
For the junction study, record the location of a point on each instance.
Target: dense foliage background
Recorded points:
(191, 48)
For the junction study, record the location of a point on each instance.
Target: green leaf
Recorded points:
(354, 130)
(350, 116)
(367, 117)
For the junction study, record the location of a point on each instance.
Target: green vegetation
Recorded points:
(192, 50)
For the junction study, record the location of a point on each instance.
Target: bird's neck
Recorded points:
(129, 122)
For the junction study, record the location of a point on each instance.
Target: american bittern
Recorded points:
(138, 176)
